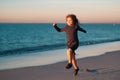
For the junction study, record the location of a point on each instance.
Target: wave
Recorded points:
(31, 49)
(24, 50)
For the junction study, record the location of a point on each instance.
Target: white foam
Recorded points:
(49, 57)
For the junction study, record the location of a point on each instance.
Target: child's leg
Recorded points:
(69, 55)
(74, 63)
(71, 58)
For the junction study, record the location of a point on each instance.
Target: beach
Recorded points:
(105, 66)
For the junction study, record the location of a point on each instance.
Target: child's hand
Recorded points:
(54, 24)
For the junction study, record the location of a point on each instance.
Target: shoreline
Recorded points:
(55, 56)
(101, 67)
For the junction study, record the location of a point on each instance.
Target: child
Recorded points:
(72, 40)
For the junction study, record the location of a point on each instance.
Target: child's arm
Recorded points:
(81, 29)
(56, 27)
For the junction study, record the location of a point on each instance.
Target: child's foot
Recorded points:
(76, 71)
(68, 66)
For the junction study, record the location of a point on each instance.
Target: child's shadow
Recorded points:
(102, 70)
(93, 70)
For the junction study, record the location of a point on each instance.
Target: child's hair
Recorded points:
(74, 18)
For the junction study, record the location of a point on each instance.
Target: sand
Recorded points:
(102, 67)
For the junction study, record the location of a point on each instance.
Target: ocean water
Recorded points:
(25, 38)
(31, 44)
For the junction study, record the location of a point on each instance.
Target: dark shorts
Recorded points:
(73, 45)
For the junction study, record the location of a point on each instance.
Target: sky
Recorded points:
(48, 11)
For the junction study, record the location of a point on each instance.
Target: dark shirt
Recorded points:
(71, 32)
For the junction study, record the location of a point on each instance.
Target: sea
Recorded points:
(19, 39)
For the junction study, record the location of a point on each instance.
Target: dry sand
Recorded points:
(103, 67)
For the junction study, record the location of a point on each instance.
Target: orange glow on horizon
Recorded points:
(91, 11)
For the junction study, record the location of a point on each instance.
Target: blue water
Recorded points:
(21, 38)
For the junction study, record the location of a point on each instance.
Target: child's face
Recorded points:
(69, 21)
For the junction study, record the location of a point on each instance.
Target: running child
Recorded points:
(72, 27)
